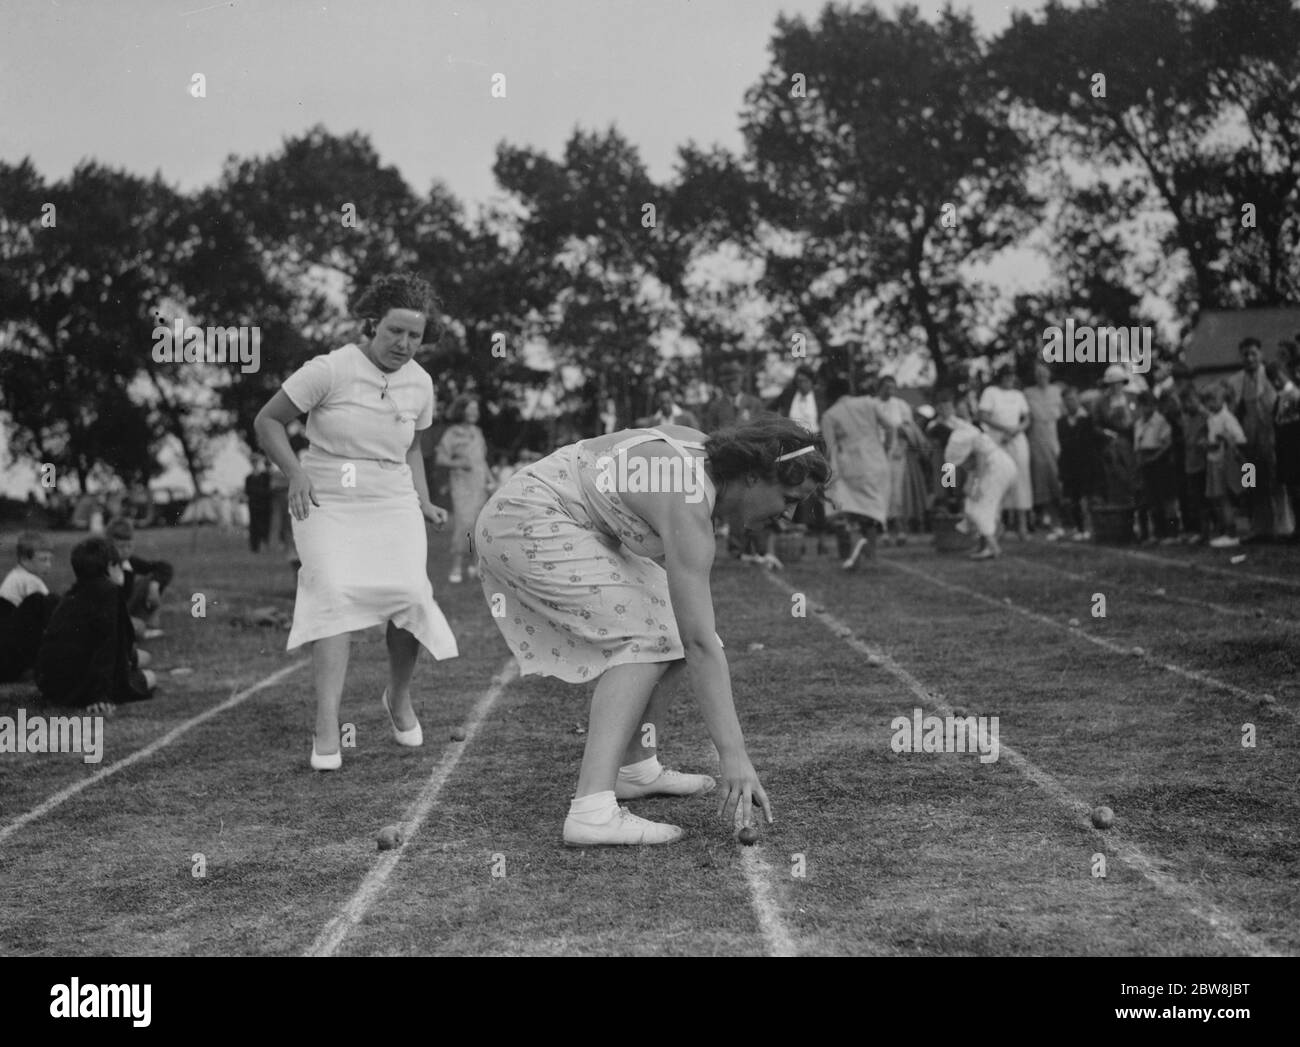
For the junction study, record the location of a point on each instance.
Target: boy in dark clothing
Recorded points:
(1080, 462)
(25, 606)
(146, 580)
(258, 489)
(87, 657)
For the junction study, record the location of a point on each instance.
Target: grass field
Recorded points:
(873, 852)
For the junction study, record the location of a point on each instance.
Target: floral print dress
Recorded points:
(570, 572)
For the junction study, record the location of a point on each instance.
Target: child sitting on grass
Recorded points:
(88, 657)
(146, 580)
(25, 606)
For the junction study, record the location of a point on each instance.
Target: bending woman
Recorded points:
(605, 578)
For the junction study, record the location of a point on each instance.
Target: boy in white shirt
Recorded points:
(25, 606)
(1224, 440)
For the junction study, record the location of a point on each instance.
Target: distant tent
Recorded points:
(1211, 349)
(203, 510)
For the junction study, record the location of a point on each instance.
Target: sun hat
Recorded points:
(1115, 373)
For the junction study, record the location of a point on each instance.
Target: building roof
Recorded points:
(1211, 348)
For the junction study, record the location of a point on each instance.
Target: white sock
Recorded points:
(643, 772)
(596, 809)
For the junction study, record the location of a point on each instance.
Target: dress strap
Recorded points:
(684, 448)
(679, 445)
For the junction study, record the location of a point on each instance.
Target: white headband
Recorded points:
(796, 454)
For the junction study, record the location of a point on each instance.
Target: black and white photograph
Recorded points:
(691, 478)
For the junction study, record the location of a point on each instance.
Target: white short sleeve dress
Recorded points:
(364, 549)
(1007, 406)
(993, 473)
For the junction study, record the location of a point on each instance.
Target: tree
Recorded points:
(885, 142)
(77, 297)
(1203, 102)
(587, 238)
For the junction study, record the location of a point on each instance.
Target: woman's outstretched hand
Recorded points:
(301, 496)
(740, 785)
(434, 515)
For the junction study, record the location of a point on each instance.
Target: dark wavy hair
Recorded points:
(753, 448)
(400, 291)
(92, 558)
(456, 412)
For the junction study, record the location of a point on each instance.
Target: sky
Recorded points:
(110, 81)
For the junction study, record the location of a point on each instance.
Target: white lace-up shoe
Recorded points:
(669, 783)
(623, 828)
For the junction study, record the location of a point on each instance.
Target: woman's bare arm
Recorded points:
(689, 547)
(273, 436)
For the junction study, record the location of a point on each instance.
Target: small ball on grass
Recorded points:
(748, 835)
(458, 734)
(389, 837)
(1103, 817)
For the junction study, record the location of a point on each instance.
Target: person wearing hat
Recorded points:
(731, 405)
(1115, 415)
(1005, 413)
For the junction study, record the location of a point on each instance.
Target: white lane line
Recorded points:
(1159, 594)
(334, 932)
(1225, 925)
(759, 876)
(1191, 565)
(66, 794)
(1128, 652)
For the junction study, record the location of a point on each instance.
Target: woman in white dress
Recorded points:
(358, 500)
(1004, 411)
(992, 471)
(463, 450)
(858, 441)
(907, 485)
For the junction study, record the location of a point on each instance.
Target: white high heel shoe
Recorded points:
(413, 737)
(330, 762)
